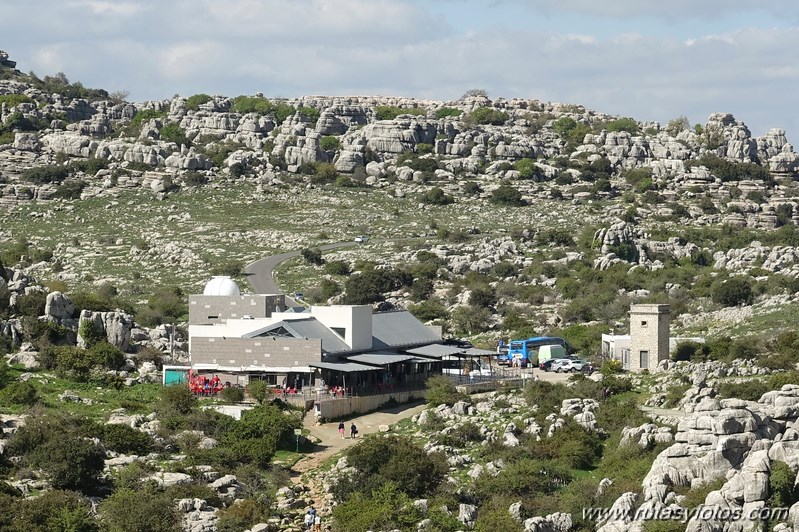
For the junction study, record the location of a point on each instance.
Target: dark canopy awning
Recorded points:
(344, 367)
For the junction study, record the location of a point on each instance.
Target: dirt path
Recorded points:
(664, 412)
(330, 442)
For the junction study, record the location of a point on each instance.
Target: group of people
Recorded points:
(313, 521)
(353, 430)
(202, 385)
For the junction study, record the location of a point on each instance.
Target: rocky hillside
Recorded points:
(519, 200)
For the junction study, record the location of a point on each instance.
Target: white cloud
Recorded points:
(394, 47)
(668, 9)
(99, 7)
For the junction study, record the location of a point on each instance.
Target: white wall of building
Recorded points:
(355, 320)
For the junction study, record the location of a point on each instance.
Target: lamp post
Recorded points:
(298, 433)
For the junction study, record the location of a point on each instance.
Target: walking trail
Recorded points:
(330, 442)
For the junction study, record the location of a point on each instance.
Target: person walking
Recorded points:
(317, 523)
(341, 429)
(308, 520)
(353, 431)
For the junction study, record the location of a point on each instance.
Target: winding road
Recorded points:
(260, 274)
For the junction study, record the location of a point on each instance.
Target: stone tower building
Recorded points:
(649, 336)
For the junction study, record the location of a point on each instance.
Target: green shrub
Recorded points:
(385, 508)
(242, 516)
(440, 390)
(732, 292)
(124, 439)
(731, 171)
(528, 169)
(312, 256)
(522, 478)
(252, 104)
(174, 133)
(428, 310)
(193, 103)
(230, 268)
(259, 391)
(13, 100)
(506, 195)
(70, 189)
(329, 143)
(445, 112)
(623, 124)
(146, 509)
(232, 395)
(385, 112)
(393, 459)
(42, 175)
(260, 432)
(436, 196)
(20, 393)
(781, 486)
(195, 179)
(51, 511)
(487, 115)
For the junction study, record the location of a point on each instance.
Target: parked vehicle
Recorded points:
(360, 239)
(299, 296)
(571, 366)
(528, 349)
(558, 363)
(547, 364)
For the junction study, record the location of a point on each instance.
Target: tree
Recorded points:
(260, 432)
(475, 93)
(70, 460)
(329, 143)
(678, 125)
(506, 195)
(312, 256)
(436, 196)
(139, 510)
(732, 292)
(259, 391)
(440, 390)
(527, 169)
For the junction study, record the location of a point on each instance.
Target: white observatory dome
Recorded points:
(221, 285)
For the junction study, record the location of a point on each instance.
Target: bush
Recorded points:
(42, 175)
(506, 195)
(259, 391)
(732, 292)
(232, 395)
(781, 486)
(329, 143)
(385, 508)
(20, 393)
(260, 432)
(522, 478)
(441, 391)
(436, 196)
(623, 124)
(252, 104)
(127, 510)
(385, 112)
(51, 511)
(528, 170)
(394, 459)
(487, 115)
(231, 268)
(445, 112)
(125, 439)
(428, 310)
(369, 286)
(70, 189)
(193, 103)
(312, 256)
(337, 267)
(174, 133)
(242, 516)
(69, 460)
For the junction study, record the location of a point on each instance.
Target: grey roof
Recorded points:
(380, 359)
(435, 350)
(346, 367)
(309, 328)
(475, 352)
(400, 329)
(312, 328)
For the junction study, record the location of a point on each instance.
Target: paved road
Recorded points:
(260, 274)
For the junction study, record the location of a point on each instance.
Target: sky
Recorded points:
(647, 59)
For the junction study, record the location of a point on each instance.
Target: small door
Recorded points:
(644, 359)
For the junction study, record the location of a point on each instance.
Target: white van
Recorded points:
(546, 352)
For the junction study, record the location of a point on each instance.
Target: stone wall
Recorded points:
(208, 310)
(267, 352)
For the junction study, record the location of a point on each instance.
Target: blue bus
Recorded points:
(527, 350)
